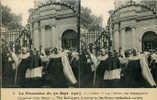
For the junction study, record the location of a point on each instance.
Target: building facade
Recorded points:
(150, 3)
(53, 26)
(134, 25)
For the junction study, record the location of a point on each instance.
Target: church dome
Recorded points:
(119, 3)
(38, 3)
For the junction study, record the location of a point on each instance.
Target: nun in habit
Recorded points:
(137, 74)
(75, 64)
(59, 72)
(22, 68)
(101, 68)
(86, 78)
(7, 69)
(33, 74)
(154, 66)
(93, 62)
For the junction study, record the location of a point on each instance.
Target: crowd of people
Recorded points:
(68, 68)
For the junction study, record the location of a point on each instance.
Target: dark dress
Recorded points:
(75, 68)
(154, 71)
(23, 66)
(100, 74)
(116, 83)
(8, 73)
(86, 78)
(133, 76)
(55, 77)
(35, 82)
(111, 63)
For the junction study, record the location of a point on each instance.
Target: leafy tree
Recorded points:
(89, 21)
(9, 20)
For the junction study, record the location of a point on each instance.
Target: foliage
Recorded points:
(10, 20)
(89, 21)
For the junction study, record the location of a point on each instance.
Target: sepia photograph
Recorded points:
(78, 44)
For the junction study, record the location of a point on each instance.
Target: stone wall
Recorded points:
(49, 23)
(129, 25)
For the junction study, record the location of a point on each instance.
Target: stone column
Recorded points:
(134, 40)
(113, 40)
(122, 39)
(59, 40)
(43, 36)
(116, 40)
(40, 35)
(115, 36)
(36, 35)
(54, 36)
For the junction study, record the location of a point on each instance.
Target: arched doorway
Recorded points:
(69, 39)
(149, 41)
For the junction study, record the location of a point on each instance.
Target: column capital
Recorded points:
(53, 26)
(122, 29)
(133, 27)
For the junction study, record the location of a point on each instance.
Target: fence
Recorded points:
(99, 39)
(16, 38)
(10, 36)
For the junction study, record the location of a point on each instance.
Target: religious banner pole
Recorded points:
(78, 23)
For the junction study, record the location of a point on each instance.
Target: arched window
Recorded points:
(149, 41)
(69, 39)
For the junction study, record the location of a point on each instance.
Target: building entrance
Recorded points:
(69, 39)
(149, 41)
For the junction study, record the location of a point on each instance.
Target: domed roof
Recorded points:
(119, 3)
(132, 10)
(38, 3)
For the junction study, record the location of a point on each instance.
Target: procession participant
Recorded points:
(111, 71)
(28, 73)
(44, 58)
(153, 64)
(44, 63)
(7, 69)
(150, 58)
(86, 78)
(107, 76)
(14, 58)
(137, 73)
(75, 64)
(59, 71)
(121, 53)
(55, 75)
(68, 72)
(116, 71)
(22, 68)
(16, 61)
(123, 60)
(35, 70)
(101, 68)
(36, 61)
(146, 70)
(93, 58)
(133, 76)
